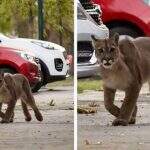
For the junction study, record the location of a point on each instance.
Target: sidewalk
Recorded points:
(95, 132)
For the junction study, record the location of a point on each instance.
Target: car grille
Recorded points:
(94, 13)
(85, 51)
(96, 18)
(58, 64)
(87, 4)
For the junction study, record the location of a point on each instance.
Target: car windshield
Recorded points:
(3, 36)
(147, 2)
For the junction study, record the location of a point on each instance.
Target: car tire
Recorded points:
(125, 31)
(36, 87)
(7, 70)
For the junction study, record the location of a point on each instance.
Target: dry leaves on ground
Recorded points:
(86, 110)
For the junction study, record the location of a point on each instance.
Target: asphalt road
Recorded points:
(95, 131)
(54, 133)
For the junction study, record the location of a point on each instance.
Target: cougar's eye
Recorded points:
(100, 50)
(112, 49)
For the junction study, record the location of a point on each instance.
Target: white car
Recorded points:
(54, 66)
(86, 26)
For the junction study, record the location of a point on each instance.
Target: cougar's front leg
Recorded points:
(11, 105)
(1, 113)
(12, 117)
(109, 95)
(128, 106)
(9, 112)
(133, 118)
(149, 85)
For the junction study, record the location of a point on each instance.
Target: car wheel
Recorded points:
(7, 70)
(125, 31)
(36, 87)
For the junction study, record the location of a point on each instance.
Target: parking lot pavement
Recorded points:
(54, 133)
(95, 132)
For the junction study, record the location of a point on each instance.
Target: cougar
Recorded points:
(12, 88)
(124, 65)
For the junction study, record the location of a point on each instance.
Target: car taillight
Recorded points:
(69, 59)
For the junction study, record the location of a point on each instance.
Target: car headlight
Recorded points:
(27, 56)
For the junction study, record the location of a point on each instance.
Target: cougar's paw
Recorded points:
(28, 118)
(5, 121)
(11, 120)
(39, 117)
(132, 121)
(120, 122)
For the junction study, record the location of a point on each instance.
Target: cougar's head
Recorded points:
(106, 50)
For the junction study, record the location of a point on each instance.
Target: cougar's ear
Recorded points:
(94, 38)
(95, 41)
(116, 38)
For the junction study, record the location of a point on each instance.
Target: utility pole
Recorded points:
(40, 20)
(60, 22)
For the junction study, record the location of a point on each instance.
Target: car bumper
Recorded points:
(56, 78)
(87, 70)
(51, 62)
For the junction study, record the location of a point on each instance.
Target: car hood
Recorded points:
(17, 50)
(49, 45)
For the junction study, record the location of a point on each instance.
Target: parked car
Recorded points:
(126, 17)
(54, 66)
(87, 61)
(15, 61)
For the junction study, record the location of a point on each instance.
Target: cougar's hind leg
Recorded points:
(37, 113)
(12, 117)
(30, 100)
(25, 110)
(129, 105)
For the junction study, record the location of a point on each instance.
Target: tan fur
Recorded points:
(12, 88)
(129, 70)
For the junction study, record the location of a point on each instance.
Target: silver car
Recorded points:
(86, 26)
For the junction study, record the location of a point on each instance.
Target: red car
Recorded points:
(130, 17)
(15, 61)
